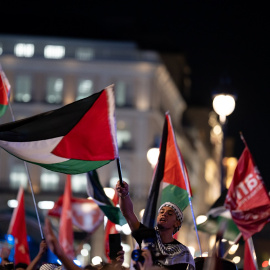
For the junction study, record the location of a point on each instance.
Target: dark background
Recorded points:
(218, 38)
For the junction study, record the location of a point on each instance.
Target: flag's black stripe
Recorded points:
(48, 125)
(149, 216)
(98, 191)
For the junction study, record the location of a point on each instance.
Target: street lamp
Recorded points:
(223, 105)
(153, 152)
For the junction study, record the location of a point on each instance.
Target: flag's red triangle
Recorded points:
(96, 141)
(172, 172)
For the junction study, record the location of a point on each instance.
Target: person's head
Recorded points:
(170, 216)
(21, 266)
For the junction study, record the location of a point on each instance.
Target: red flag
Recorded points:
(17, 228)
(110, 229)
(250, 262)
(247, 198)
(86, 214)
(65, 228)
(4, 92)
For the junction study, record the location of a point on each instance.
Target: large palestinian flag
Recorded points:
(176, 185)
(171, 172)
(4, 92)
(74, 139)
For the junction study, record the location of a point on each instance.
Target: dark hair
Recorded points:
(90, 267)
(21, 265)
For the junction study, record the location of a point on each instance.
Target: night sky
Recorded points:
(217, 38)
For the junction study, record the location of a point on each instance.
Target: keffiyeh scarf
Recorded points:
(175, 253)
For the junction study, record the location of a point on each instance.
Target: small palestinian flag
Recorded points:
(96, 192)
(4, 92)
(74, 139)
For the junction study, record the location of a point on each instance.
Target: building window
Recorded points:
(1, 49)
(85, 89)
(54, 52)
(49, 180)
(23, 88)
(123, 94)
(18, 176)
(24, 50)
(84, 54)
(123, 135)
(54, 90)
(78, 183)
(115, 177)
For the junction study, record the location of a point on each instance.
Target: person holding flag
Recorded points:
(165, 250)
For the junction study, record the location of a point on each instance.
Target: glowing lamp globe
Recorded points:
(223, 105)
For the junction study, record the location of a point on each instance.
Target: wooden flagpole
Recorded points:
(26, 167)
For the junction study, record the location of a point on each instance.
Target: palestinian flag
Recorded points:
(96, 192)
(74, 139)
(176, 186)
(216, 216)
(4, 92)
(171, 172)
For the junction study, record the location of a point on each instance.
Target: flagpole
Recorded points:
(236, 240)
(30, 183)
(189, 195)
(253, 254)
(190, 203)
(27, 170)
(119, 171)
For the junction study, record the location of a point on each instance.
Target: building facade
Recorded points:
(47, 73)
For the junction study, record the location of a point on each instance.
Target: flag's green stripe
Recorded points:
(3, 109)
(176, 195)
(114, 214)
(212, 225)
(74, 166)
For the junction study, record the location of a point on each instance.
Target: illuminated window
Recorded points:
(54, 52)
(84, 54)
(24, 50)
(85, 89)
(49, 180)
(23, 88)
(54, 90)
(18, 176)
(1, 48)
(115, 177)
(78, 183)
(123, 94)
(123, 135)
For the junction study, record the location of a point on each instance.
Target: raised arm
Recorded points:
(126, 206)
(42, 250)
(55, 247)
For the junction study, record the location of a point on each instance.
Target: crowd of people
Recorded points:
(158, 248)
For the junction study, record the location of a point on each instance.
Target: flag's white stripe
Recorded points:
(34, 151)
(110, 97)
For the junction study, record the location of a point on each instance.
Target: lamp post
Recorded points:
(223, 105)
(153, 152)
